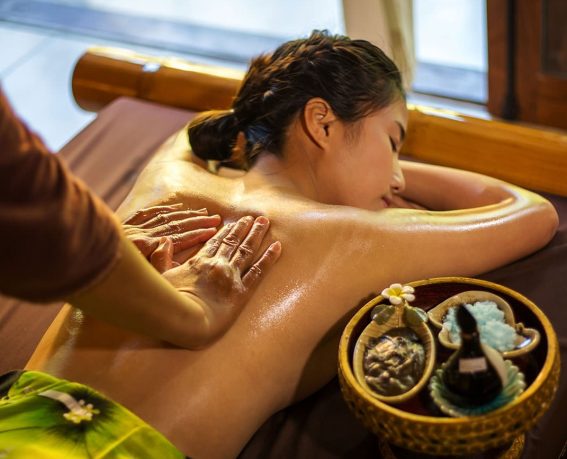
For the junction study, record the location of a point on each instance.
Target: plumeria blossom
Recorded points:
(398, 293)
(78, 410)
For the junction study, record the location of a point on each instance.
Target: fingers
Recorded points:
(142, 215)
(190, 239)
(186, 228)
(162, 257)
(181, 226)
(239, 242)
(145, 245)
(233, 239)
(165, 218)
(212, 245)
(245, 253)
(259, 269)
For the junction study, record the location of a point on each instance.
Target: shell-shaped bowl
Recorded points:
(526, 338)
(374, 330)
(439, 393)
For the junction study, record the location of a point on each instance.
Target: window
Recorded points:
(228, 30)
(451, 50)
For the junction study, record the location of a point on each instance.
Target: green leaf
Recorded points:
(414, 316)
(382, 312)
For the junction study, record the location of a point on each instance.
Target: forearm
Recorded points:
(512, 220)
(135, 296)
(442, 188)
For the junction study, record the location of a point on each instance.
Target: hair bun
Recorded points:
(212, 134)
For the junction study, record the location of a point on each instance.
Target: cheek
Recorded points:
(376, 182)
(386, 172)
(366, 177)
(381, 168)
(365, 191)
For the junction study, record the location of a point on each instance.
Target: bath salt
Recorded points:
(493, 329)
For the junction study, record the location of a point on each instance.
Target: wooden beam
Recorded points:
(104, 74)
(530, 157)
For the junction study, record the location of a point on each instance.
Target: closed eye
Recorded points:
(393, 144)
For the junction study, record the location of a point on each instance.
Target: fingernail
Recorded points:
(204, 209)
(262, 220)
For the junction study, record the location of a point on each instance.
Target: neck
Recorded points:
(292, 174)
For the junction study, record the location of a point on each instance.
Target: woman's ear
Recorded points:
(318, 117)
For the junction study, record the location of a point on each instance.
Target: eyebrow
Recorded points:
(402, 131)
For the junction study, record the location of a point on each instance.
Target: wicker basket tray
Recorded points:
(416, 425)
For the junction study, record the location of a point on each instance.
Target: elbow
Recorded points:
(551, 220)
(539, 214)
(547, 222)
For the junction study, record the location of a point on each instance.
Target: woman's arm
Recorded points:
(479, 223)
(444, 188)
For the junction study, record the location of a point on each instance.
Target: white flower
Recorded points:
(83, 412)
(78, 410)
(398, 293)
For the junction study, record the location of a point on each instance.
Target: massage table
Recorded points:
(141, 101)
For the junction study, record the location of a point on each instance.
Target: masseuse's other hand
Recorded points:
(223, 275)
(161, 231)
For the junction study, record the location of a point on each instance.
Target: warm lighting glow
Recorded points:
(172, 62)
(441, 112)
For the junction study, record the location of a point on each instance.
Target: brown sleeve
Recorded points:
(56, 237)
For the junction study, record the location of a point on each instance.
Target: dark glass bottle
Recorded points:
(473, 373)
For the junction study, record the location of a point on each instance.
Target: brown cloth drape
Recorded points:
(56, 237)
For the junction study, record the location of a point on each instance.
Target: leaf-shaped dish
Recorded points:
(374, 330)
(526, 338)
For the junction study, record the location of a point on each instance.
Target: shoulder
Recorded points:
(176, 149)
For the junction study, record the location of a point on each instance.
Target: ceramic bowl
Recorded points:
(374, 330)
(526, 338)
(447, 402)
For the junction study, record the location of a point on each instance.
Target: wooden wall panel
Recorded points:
(541, 97)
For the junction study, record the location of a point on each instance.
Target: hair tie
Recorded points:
(267, 94)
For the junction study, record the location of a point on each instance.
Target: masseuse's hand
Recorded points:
(161, 231)
(225, 272)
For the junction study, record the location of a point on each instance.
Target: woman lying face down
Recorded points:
(317, 127)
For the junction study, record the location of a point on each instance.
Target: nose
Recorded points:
(398, 183)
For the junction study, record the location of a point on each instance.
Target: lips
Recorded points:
(387, 201)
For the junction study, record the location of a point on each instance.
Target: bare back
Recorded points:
(283, 345)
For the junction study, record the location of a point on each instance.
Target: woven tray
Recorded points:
(417, 425)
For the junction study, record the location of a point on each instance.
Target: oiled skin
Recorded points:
(283, 345)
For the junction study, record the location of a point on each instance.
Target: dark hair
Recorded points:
(355, 77)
